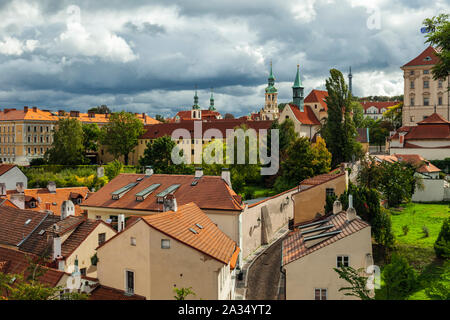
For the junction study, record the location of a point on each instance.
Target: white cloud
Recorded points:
(14, 47)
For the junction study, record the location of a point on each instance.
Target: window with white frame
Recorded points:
(165, 243)
(342, 261)
(320, 294)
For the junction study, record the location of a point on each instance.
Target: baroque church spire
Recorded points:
(297, 91)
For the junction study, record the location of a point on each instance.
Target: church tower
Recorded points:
(196, 113)
(297, 91)
(211, 102)
(270, 110)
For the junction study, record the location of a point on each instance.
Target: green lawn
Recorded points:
(415, 246)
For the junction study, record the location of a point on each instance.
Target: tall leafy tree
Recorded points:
(322, 157)
(397, 182)
(339, 130)
(297, 166)
(120, 135)
(399, 278)
(91, 136)
(158, 155)
(67, 147)
(439, 36)
(100, 109)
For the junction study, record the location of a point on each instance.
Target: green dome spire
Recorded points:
(298, 81)
(195, 106)
(271, 82)
(211, 102)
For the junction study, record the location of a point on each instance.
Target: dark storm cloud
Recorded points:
(149, 55)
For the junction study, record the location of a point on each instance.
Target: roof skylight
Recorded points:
(141, 195)
(120, 192)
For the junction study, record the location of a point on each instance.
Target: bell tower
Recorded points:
(271, 95)
(297, 91)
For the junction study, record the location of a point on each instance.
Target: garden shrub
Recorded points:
(442, 244)
(399, 277)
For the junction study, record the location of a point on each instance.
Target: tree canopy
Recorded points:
(120, 135)
(439, 36)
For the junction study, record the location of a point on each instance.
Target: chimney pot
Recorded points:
(337, 207)
(3, 189)
(25, 109)
(56, 245)
(51, 186)
(34, 109)
(198, 172)
(100, 172)
(148, 170)
(19, 187)
(121, 222)
(170, 203)
(351, 214)
(226, 176)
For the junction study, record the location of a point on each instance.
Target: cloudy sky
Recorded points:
(147, 56)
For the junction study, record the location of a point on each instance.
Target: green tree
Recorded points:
(160, 118)
(339, 130)
(440, 289)
(91, 136)
(382, 231)
(370, 173)
(442, 244)
(182, 293)
(67, 147)
(297, 166)
(158, 154)
(357, 283)
(113, 169)
(120, 135)
(103, 109)
(399, 278)
(439, 36)
(397, 182)
(394, 115)
(321, 162)
(358, 114)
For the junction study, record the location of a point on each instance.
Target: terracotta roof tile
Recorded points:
(5, 168)
(18, 263)
(208, 239)
(17, 224)
(295, 247)
(306, 117)
(318, 96)
(421, 59)
(211, 192)
(52, 201)
(102, 292)
(77, 237)
(186, 115)
(314, 181)
(166, 129)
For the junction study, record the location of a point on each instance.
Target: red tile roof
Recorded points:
(166, 129)
(13, 224)
(186, 115)
(320, 179)
(208, 238)
(306, 116)
(435, 118)
(5, 168)
(211, 192)
(102, 292)
(52, 200)
(423, 165)
(318, 96)
(421, 60)
(15, 262)
(433, 127)
(295, 246)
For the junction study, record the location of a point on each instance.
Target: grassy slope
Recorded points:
(417, 248)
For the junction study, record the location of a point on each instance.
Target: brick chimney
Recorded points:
(144, 118)
(25, 109)
(34, 109)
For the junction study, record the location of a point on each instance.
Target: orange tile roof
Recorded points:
(186, 115)
(435, 118)
(15, 262)
(423, 165)
(209, 239)
(211, 192)
(33, 113)
(102, 292)
(320, 179)
(7, 203)
(294, 246)
(421, 60)
(318, 96)
(53, 201)
(306, 116)
(5, 168)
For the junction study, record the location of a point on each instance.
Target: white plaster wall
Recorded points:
(12, 176)
(430, 154)
(433, 191)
